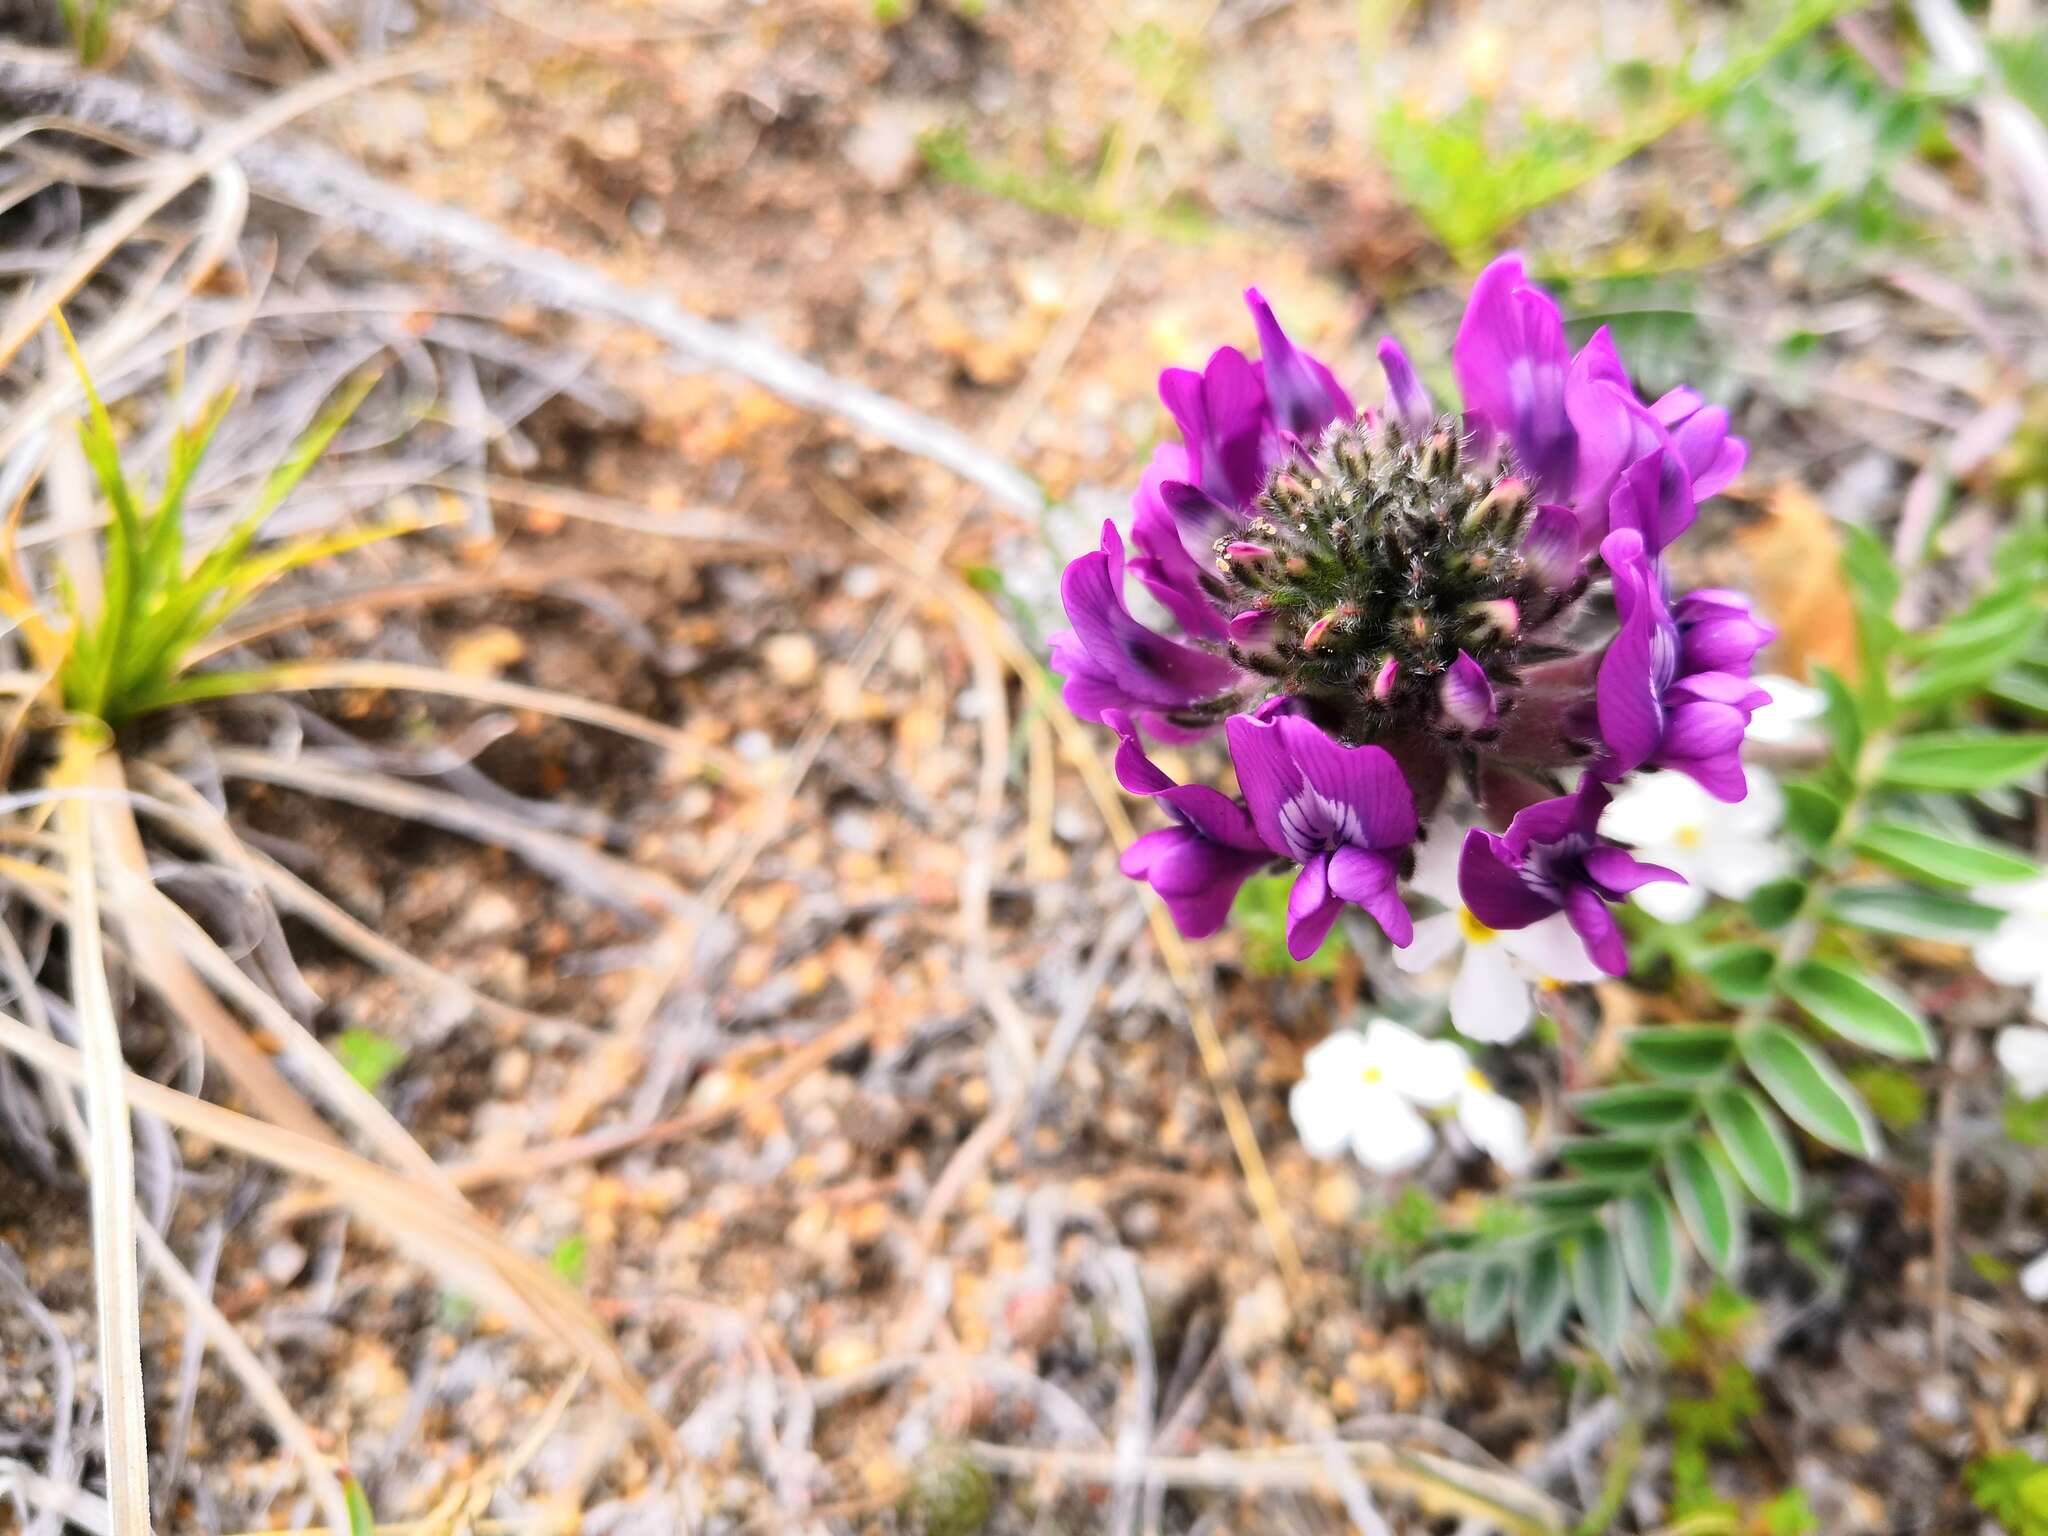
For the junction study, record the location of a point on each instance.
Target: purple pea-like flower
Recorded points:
(1511, 362)
(1654, 710)
(1111, 661)
(1344, 814)
(1198, 862)
(1553, 859)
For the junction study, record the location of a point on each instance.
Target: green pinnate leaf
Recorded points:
(1680, 1053)
(1861, 1010)
(1637, 1108)
(1758, 1145)
(1965, 761)
(1942, 857)
(1810, 1089)
(1710, 1202)
(1651, 1251)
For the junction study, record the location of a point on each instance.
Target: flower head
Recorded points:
(1371, 1094)
(1496, 970)
(2023, 1052)
(1553, 859)
(1384, 610)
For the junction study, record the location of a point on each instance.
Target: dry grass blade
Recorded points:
(261, 1386)
(595, 874)
(1440, 1486)
(156, 961)
(443, 1238)
(111, 1160)
(28, 313)
(307, 676)
(195, 818)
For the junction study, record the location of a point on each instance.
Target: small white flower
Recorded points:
(2016, 951)
(1721, 849)
(2023, 1052)
(1494, 1124)
(1367, 1093)
(1495, 969)
(2034, 1279)
(1788, 720)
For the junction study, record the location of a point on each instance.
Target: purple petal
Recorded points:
(1365, 779)
(1550, 548)
(1617, 871)
(1369, 880)
(1703, 730)
(1311, 909)
(1597, 929)
(1700, 433)
(1491, 882)
(1196, 879)
(1266, 773)
(1510, 359)
(1547, 821)
(1407, 401)
(1242, 442)
(1627, 692)
(1207, 811)
(1719, 632)
(1654, 497)
(1305, 395)
(1467, 696)
(1254, 630)
(1149, 668)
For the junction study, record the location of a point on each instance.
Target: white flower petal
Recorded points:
(1497, 1127)
(1436, 863)
(1759, 812)
(2015, 954)
(1324, 1113)
(1551, 951)
(1735, 863)
(2023, 1052)
(1489, 1000)
(1649, 809)
(1389, 1136)
(1670, 902)
(2034, 1279)
(1342, 1053)
(1425, 1072)
(1790, 715)
(2037, 1004)
(2029, 899)
(1436, 939)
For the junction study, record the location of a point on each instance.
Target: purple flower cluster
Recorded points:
(1393, 610)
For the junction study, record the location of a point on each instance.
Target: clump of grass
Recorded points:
(128, 654)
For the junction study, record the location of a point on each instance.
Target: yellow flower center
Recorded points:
(1475, 931)
(1688, 837)
(1374, 1076)
(1477, 1079)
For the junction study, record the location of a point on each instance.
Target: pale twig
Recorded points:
(111, 1160)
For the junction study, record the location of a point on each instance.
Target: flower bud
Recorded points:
(1467, 696)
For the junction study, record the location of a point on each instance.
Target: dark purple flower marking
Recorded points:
(1552, 859)
(1344, 814)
